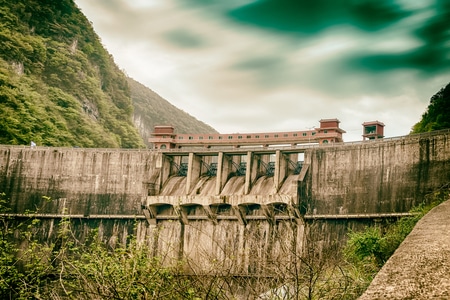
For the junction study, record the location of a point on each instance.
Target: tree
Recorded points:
(437, 115)
(58, 85)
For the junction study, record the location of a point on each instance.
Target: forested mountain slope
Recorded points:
(437, 114)
(58, 85)
(151, 109)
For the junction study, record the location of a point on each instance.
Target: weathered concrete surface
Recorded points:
(78, 181)
(420, 268)
(250, 219)
(391, 175)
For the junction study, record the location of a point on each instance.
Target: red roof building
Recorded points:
(164, 137)
(373, 130)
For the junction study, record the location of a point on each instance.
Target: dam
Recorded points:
(251, 209)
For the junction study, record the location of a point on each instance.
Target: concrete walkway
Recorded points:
(420, 267)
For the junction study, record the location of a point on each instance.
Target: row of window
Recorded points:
(230, 137)
(163, 146)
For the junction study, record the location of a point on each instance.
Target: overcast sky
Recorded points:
(282, 65)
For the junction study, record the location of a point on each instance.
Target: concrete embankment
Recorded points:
(420, 267)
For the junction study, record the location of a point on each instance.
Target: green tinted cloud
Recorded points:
(311, 17)
(184, 39)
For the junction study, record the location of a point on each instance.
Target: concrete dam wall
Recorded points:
(252, 209)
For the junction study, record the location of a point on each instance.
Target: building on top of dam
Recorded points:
(373, 130)
(164, 137)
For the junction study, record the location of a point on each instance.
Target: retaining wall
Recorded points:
(388, 176)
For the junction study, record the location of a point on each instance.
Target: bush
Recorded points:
(69, 268)
(368, 250)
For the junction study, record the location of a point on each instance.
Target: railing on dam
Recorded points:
(205, 217)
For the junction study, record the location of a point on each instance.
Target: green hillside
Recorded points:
(151, 109)
(58, 85)
(437, 115)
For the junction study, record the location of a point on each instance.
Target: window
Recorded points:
(325, 131)
(210, 137)
(191, 138)
(256, 136)
(285, 135)
(200, 138)
(162, 146)
(249, 136)
(230, 137)
(275, 135)
(304, 133)
(325, 142)
(240, 137)
(294, 134)
(180, 137)
(370, 129)
(220, 137)
(313, 133)
(266, 136)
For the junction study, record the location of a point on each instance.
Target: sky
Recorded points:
(282, 65)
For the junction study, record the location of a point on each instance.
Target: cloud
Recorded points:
(272, 65)
(184, 38)
(311, 17)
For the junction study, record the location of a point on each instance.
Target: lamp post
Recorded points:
(309, 136)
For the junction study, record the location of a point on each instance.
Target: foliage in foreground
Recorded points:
(368, 250)
(71, 269)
